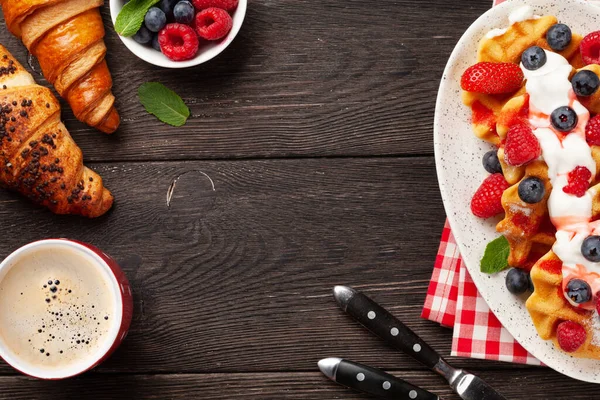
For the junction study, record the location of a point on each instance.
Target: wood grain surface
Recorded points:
(239, 278)
(537, 383)
(308, 162)
(303, 78)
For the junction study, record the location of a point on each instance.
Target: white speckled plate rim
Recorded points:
(458, 160)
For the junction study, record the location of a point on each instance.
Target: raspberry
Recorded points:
(592, 131)
(579, 181)
(570, 336)
(178, 42)
(213, 23)
(487, 200)
(228, 5)
(590, 48)
(521, 145)
(492, 78)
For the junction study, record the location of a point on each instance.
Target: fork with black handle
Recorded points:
(383, 324)
(371, 381)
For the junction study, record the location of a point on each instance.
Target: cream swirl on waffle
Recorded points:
(519, 15)
(550, 88)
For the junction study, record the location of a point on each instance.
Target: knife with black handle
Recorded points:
(383, 324)
(371, 380)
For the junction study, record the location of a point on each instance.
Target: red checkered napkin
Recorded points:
(453, 300)
(442, 295)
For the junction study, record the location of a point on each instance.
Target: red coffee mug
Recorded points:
(120, 291)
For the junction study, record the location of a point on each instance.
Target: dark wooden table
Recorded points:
(308, 162)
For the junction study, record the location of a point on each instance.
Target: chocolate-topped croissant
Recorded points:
(38, 157)
(67, 37)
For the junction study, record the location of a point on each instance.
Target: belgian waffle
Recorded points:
(520, 36)
(548, 307)
(527, 227)
(493, 115)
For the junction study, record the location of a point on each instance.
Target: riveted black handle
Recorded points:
(383, 324)
(378, 383)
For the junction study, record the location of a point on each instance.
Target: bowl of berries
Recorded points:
(177, 33)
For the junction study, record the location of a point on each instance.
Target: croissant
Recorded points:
(67, 37)
(38, 157)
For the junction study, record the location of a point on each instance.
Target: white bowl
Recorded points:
(207, 51)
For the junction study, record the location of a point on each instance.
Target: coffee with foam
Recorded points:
(58, 310)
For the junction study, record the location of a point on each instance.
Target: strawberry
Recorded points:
(521, 145)
(487, 200)
(492, 78)
(592, 131)
(579, 181)
(570, 336)
(590, 48)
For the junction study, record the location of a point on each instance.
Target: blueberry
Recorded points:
(167, 7)
(155, 19)
(143, 36)
(579, 291)
(517, 281)
(534, 58)
(184, 12)
(532, 190)
(559, 37)
(585, 83)
(564, 119)
(155, 43)
(590, 248)
(491, 162)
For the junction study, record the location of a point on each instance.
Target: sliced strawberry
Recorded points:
(487, 200)
(579, 181)
(571, 336)
(521, 145)
(492, 78)
(590, 48)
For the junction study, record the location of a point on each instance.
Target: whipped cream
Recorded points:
(496, 32)
(520, 14)
(548, 97)
(550, 88)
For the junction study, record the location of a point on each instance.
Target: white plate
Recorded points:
(458, 159)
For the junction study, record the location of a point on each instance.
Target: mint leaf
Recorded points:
(495, 258)
(132, 15)
(163, 103)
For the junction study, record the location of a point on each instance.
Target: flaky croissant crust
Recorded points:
(38, 157)
(67, 37)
